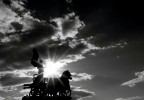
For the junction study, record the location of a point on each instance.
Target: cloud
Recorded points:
(12, 98)
(10, 20)
(79, 93)
(8, 88)
(24, 91)
(23, 43)
(7, 16)
(133, 82)
(131, 98)
(55, 31)
(68, 1)
(2, 98)
(12, 25)
(28, 31)
(17, 5)
(41, 36)
(81, 76)
(10, 80)
(17, 98)
(74, 50)
(68, 26)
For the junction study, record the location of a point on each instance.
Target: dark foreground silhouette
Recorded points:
(51, 87)
(45, 98)
(47, 88)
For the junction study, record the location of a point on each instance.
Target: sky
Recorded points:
(100, 42)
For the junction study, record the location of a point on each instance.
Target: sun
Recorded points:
(52, 68)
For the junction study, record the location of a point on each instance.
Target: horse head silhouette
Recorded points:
(67, 74)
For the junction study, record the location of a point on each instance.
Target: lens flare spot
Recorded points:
(52, 68)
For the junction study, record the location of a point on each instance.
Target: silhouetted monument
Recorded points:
(47, 88)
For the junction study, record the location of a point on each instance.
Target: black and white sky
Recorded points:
(101, 42)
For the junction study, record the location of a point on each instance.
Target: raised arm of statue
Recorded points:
(35, 55)
(36, 64)
(35, 59)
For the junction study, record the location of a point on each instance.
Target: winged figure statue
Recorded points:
(35, 59)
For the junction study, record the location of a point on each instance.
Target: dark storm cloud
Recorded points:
(30, 32)
(57, 38)
(56, 32)
(17, 52)
(69, 25)
(107, 21)
(61, 33)
(67, 51)
(40, 33)
(11, 80)
(16, 5)
(17, 26)
(15, 45)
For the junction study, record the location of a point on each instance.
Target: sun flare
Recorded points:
(52, 68)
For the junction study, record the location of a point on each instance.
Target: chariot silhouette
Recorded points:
(47, 87)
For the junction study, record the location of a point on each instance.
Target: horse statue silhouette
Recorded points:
(58, 86)
(51, 87)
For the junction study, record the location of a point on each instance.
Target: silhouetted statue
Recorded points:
(35, 59)
(37, 63)
(47, 87)
(59, 86)
(51, 87)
